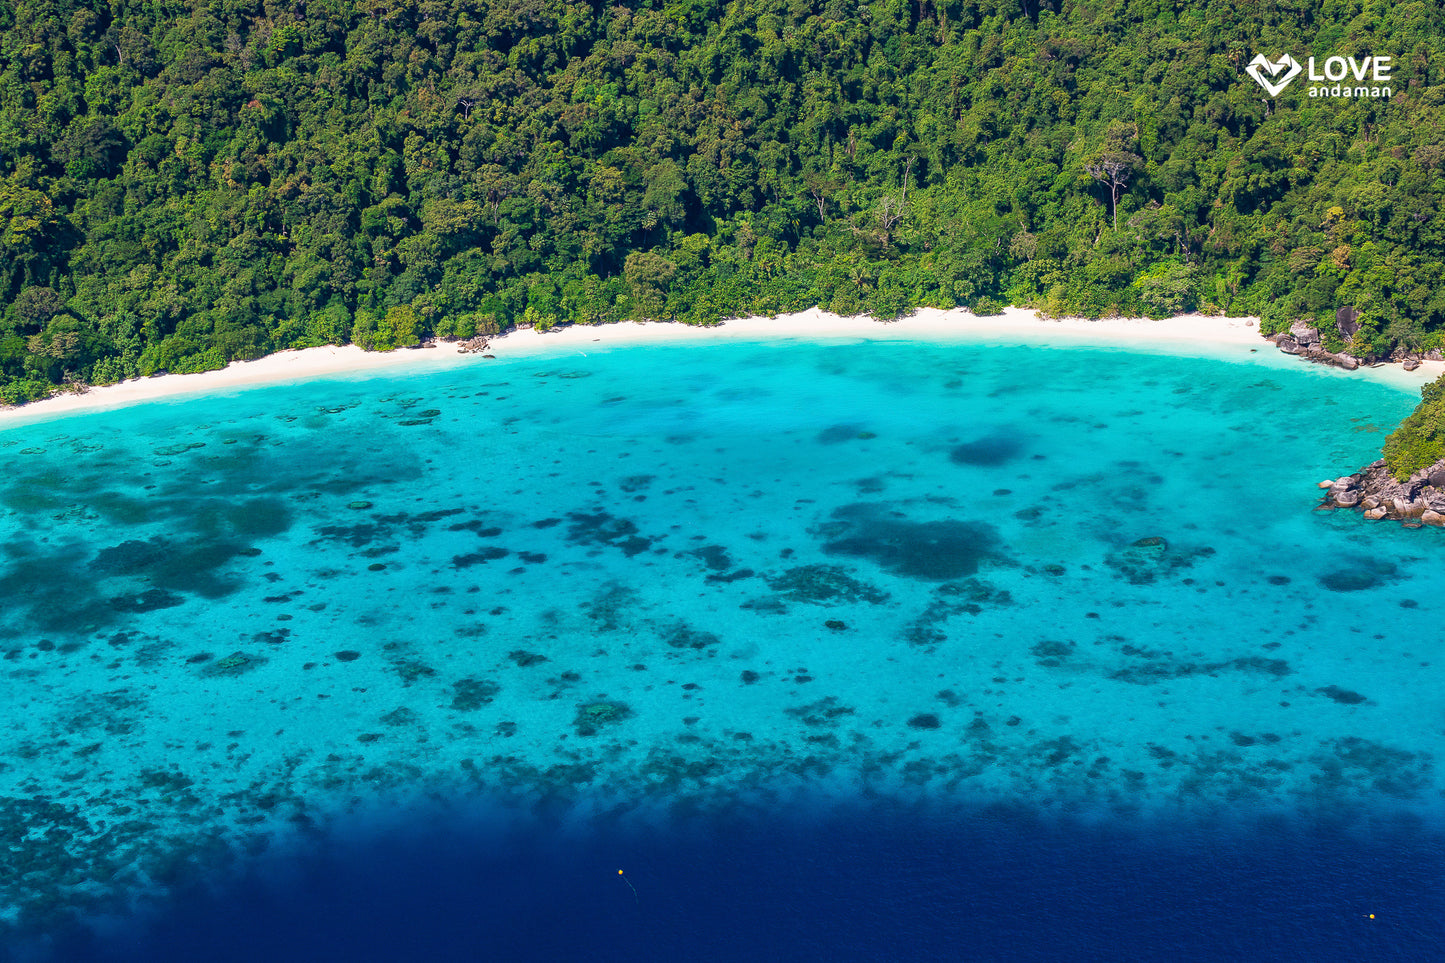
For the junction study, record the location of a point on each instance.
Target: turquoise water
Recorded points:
(661, 580)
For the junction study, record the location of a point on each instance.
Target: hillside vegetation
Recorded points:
(187, 183)
(1419, 441)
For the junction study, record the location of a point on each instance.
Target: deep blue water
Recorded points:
(880, 884)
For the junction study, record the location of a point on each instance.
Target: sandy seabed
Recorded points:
(1190, 335)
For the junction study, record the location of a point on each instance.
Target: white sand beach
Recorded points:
(1192, 335)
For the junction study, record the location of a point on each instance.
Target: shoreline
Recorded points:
(1191, 335)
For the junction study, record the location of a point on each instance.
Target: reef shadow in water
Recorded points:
(1360, 574)
(932, 551)
(990, 451)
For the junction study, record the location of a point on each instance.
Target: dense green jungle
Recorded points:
(183, 184)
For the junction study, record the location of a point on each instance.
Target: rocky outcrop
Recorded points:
(1305, 342)
(475, 345)
(1418, 500)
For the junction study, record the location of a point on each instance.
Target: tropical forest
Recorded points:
(184, 183)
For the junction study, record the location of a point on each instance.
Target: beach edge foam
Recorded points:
(1190, 335)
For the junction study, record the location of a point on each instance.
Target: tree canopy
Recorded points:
(187, 183)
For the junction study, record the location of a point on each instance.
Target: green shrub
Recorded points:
(1420, 440)
(24, 390)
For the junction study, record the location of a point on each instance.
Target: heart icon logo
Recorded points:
(1286, 66)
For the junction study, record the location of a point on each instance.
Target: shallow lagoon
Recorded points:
(881, 583)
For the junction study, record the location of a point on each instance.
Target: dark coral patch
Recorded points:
(969, 596)
(1149, 673)
(1055, 752)
(1278, 668)
(635, 545)
(715, 557)
(989, 451)
(826, 712)
(837, 434)
(383, 529)
(400, 716)
(609, 608)
(1052, 653)
(593, 716)
(636, 483)
(1350, 581)
(237, 663)
(824, 585)
(186, 566)
(1148, 559)
(1394, 772)
(116, 713)
(193, 568)
(254, 517)
(357, 536)
(472, 694)
(684, 636)
(931, 551)
(603, 528)
(1362, 574)
(1342, 696)
(925, 720)
(410, 670)
(147, 601)
(724, 578)
(489, 554)
(131, 557)
(477, 526)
